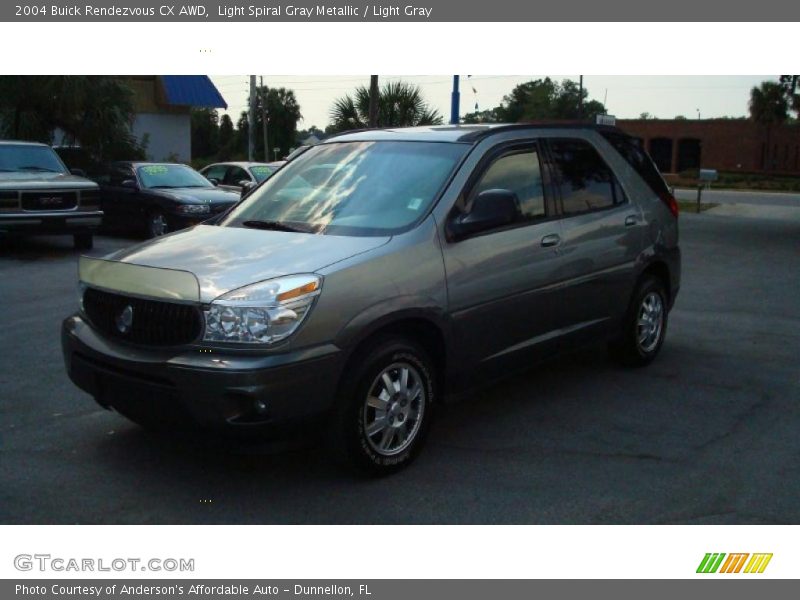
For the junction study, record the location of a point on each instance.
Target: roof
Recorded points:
(469, 134)
(191, 90)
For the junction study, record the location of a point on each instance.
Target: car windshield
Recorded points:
(352, 188)
(171, 176)
(261, 172)
(31, 159)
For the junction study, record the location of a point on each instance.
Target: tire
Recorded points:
(156, 224)
(83, 241)
(399, 423)
(644, 325)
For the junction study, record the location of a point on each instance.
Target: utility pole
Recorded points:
(455, 102)
(251, 121)
(264, 117)
(580, 98)
(373, 101)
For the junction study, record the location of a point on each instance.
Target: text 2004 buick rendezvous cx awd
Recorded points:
(378, 272)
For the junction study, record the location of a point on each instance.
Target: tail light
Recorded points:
(671, 203)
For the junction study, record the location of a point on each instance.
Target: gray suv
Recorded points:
(39, 195)
(378, 274)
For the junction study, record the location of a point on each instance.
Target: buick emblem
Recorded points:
(124, 319)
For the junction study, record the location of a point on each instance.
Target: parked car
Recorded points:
(239, 176)
(157, 198)
(428, 260)
(38, 195)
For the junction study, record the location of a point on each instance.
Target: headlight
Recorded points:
(192, 209)
(262, 313)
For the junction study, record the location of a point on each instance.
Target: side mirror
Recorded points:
(214, 180)
(78, 172)
(130, 184)
(247, 187)
(490, 209)
(244, 183)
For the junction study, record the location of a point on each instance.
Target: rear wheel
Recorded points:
(384, 408)
(645, 325)
(83, 241)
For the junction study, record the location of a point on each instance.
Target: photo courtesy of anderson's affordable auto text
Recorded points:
(275, 326)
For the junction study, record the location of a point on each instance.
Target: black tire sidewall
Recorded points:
(368, 365)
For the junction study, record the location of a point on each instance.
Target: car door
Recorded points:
(234, 176)
(116, 197)
(215, 172)
(499, 282)
(601, 238)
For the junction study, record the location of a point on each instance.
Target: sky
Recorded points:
(626, 96)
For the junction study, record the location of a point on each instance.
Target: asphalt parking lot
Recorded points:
(707, 434)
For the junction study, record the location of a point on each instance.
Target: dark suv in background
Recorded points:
(39, 195)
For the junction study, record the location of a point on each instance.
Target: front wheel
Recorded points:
(385, 407)
(156, 224)
(645, 325)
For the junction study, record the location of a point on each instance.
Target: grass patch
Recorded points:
(690, 206)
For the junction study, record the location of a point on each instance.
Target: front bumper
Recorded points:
(201, 388)
(51, 222)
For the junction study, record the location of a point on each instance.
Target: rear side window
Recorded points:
(636, 157)
(585, 180)
(519, 172)
(216, 172)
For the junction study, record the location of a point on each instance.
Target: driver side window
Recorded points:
(517, 171)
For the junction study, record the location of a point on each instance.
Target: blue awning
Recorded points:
(192, 90)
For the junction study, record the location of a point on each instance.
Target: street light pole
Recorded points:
(251, 121)
(264, 118)
(455, 102)
(373, 101)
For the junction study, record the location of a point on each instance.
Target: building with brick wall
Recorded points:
(732, 145)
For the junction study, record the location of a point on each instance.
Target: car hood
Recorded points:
(33, 180)
(227, 258)
(197, 195)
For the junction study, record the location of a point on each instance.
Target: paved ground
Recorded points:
(707, 434)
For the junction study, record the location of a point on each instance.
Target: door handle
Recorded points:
(630, 220)
(551, 240)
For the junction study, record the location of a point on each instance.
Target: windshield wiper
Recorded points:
(36, 168)
(162, 187)
(277, 226)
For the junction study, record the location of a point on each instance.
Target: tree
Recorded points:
(541, 99)
(769, 106)
(226, 138)
(205, 132)
(483, 116)
(400, 104)
(283, 114)
(95, 112)
(646, 116)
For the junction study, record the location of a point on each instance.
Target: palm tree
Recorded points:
(769, 106)
(400, 104)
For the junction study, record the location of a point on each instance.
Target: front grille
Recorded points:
(90, 199)
(151, 323)
(48, 200)
(9, 201)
